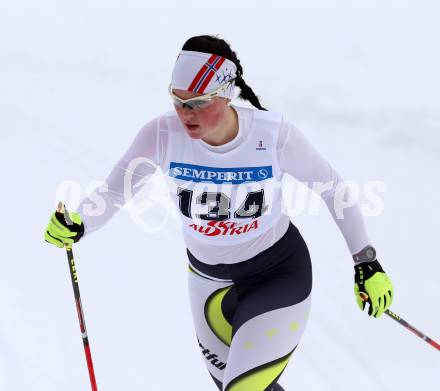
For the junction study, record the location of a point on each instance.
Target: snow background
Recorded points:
(77, 81)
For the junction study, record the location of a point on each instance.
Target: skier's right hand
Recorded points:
(59, 232)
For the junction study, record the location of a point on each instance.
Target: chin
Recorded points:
(194, 135)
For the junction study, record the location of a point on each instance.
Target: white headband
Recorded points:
(203, 73)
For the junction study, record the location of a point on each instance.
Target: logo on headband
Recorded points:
(225, 77)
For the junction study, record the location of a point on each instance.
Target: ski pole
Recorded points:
(82, 323)
(405, 324)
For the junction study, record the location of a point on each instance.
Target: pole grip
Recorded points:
(61, 208)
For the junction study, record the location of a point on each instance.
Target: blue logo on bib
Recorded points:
(233, 175)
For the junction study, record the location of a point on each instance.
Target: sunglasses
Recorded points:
(198, 102)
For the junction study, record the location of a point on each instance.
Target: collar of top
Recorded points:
(203, 73)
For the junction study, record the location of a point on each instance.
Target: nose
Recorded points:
(187, 112)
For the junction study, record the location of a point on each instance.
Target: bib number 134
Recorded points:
(219, 205)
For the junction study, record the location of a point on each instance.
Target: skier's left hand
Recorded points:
(370, 279)
(60, 233)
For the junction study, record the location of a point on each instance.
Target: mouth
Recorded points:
(191, 126)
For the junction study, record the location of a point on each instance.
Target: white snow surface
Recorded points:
(77, 81)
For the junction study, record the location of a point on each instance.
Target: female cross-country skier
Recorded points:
(250, 275)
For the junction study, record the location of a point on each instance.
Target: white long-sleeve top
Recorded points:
(295, 156)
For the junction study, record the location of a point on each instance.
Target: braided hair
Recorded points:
(214, 45)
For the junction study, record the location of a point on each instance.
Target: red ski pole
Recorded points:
(405, 324)
(82, 323)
